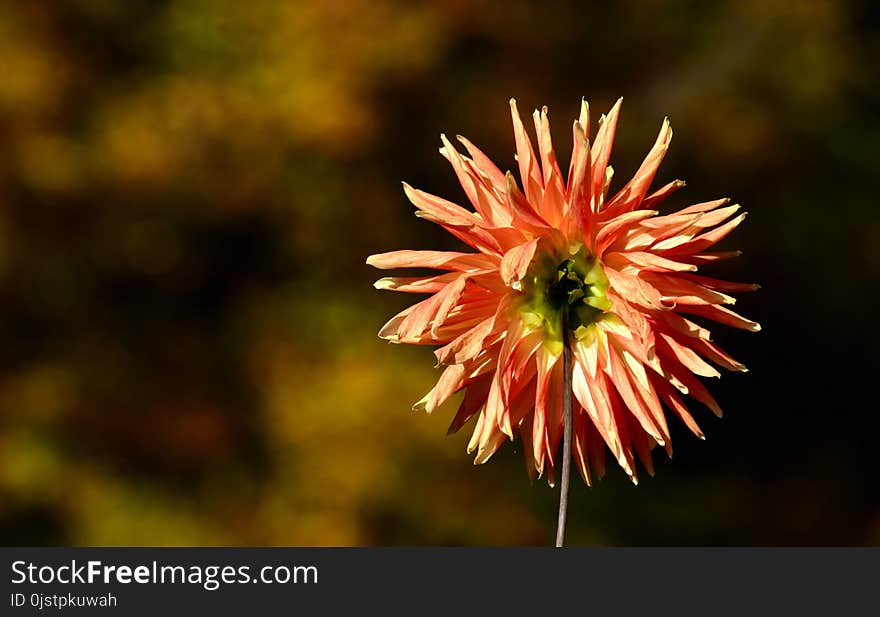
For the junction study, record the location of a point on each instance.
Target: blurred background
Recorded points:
(188, 191)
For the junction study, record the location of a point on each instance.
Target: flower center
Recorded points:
(569, 291)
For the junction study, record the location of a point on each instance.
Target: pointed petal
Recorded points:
(601, 151)
(451, 381)
(721, 315)
(529, 172)
(581, 132)
(450, 297)
(592, 393)
(474, 399)
(702, 242)
(545, 361)
(549, 165)
(631, 195)
(639, 261)
(580, 443)
(654, 199)
(484, 163)
(438, 260)
(484, 202)
(580, 188)
(416, 284)
(620, 377)
(674, 402)
(686, 356)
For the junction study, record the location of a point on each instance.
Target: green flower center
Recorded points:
(564, 292)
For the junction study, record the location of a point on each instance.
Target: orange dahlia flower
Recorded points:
(560, 263)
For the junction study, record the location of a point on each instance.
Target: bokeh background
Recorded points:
(188, 191)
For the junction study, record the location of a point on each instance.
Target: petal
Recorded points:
(461, 223)
(524, 214)
(553, 201)
(719, 285)
(710, 257)
(704, 206)
(721, 315)
(654, 199)
(631, 195)
(471, 342)
(601, 151)
(484, 164)
(580, 145)
(580, 443)
(702, 242)
(718, 356)
(484, 202)
(674, 402)
(549, 165)
(529, 172)
(416, 284)
(451, 295)
(667, 345)
(579, 189)
(592, 393)
(545, 362)
(694, 387)
(438, 260)
(640, 261)
(634, 289)
(621, 378)
(676, 290)
(451, 381)
(442, 209)
(516, 261)
(610, 231)
(528, 445)
(473, 401)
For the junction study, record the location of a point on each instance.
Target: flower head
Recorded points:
(560, 260)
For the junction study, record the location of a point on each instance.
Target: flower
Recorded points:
(560, 261)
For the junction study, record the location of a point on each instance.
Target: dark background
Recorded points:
(188, 192)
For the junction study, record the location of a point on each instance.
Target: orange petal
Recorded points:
(473, 401)
(545, 361)
(416, 284)
(721, 315)
(686, 356)
(641, 261)
(579, 212)
(702, 242)
(451, 381)
(609, 232)
(631, 195)
(484, 163)
(438, 260)
(601, 151)
(516, 261)
(654, 199)
(529, 172)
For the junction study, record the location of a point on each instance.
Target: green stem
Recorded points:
(566, 443)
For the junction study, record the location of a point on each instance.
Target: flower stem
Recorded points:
(566, 440)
